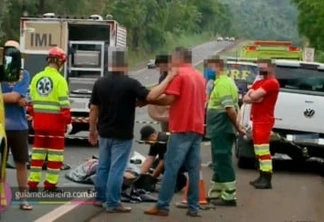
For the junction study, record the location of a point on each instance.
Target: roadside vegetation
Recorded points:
(153, 25)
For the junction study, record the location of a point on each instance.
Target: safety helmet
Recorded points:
(57, 53)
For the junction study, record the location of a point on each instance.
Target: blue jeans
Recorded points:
(113, 158)
(183, 148)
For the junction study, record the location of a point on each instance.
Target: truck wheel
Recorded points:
(245, 163)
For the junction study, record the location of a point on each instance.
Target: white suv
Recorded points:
(299, 114)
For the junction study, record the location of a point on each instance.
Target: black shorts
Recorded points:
(18, 144)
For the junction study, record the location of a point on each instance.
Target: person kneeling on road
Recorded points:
(158, 147)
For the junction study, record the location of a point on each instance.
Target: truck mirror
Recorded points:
(10, 64)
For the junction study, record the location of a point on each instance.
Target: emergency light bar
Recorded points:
(294, 49)
(251, 48)
(273, 43)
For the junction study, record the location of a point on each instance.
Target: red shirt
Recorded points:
(187, 114)
(264, 111)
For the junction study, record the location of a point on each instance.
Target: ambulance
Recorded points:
(271, 50)
(87, 42)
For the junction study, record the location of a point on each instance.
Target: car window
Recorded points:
(300, 79)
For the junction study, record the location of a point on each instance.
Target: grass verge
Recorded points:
(140, 57)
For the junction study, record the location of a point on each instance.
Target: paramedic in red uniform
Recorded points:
(263, 97)
(50, 108)
(186, 96)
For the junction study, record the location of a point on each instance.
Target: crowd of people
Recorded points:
(180, 102)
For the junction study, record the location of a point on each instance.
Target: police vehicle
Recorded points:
(298, 131)
(86, 41)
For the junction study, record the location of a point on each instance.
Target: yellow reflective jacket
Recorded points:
(49, 94)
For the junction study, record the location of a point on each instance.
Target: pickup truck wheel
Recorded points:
(245, 163)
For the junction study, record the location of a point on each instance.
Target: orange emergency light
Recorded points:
(251, 48)
(293, 49)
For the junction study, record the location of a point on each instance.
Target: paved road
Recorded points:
(297, 196)
(150, 76)
(74, 154)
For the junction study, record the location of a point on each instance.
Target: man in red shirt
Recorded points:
(186, 96)
(263, 97)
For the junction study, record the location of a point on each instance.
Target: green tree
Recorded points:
(311, 21)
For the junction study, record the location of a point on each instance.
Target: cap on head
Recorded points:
(146, 132)
(12, 43)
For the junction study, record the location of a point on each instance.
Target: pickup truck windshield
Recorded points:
(300, 79)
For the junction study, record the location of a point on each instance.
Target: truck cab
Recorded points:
(298, 113)
(87, 42)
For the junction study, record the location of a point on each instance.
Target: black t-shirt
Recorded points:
(159, 148)
(116, 96)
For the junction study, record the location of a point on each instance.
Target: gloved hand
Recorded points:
(69, 129)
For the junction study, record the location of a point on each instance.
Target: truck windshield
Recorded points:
(300, 79)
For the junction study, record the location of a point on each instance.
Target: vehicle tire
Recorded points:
(322, 169)
(245, 163)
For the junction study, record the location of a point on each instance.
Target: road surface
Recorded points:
(75, 154)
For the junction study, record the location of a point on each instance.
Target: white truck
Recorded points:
(87, 42)
(299, 113)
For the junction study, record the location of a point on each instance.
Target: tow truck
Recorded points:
(271, 50)
(298, 131)
(87, 42)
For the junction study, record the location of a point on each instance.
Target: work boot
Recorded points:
(214, 192)
(264, 182)
(224, 203)
(256, 180)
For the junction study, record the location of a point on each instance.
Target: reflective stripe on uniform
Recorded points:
(52, 176)
(229, 191)
(55, 155)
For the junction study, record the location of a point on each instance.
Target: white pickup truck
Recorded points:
(299, 114)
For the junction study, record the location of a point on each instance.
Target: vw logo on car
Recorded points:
(309, 112)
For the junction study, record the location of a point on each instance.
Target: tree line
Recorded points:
(311, 21)
(149, 22)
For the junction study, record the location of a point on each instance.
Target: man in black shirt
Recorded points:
(158, 146)
(158, 142)
(112, 115)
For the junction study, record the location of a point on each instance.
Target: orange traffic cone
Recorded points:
(202, 193)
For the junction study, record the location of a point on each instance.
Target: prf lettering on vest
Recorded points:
(238, 74)
(41, 40)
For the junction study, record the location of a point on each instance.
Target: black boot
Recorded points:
(256, 180)
(264, 182)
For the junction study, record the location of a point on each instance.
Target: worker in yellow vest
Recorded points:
(50, 108)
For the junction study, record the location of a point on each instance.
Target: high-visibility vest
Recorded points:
(49, 92)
